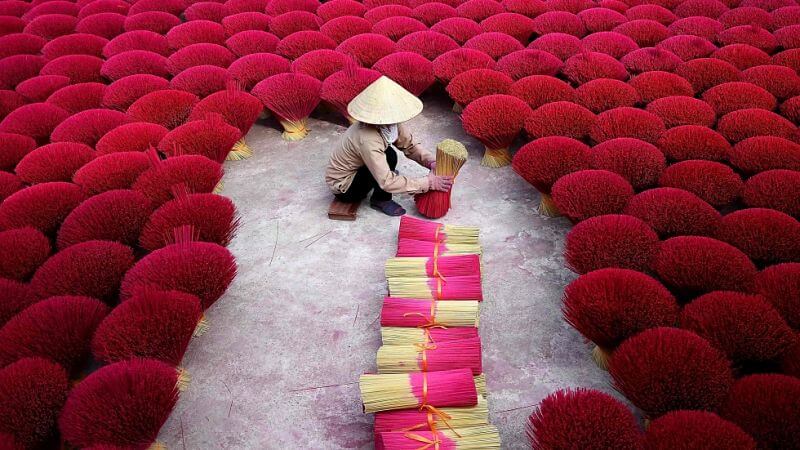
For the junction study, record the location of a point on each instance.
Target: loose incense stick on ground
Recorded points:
(443, 266)
(474, 438)
(425, 230)
(465, 353)
(404, 312)
(458, 418)
(407, 335)
(387, 392)
(440, 288)
(413, 247)
(450, 157)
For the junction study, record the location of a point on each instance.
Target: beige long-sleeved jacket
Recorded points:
(363, 145)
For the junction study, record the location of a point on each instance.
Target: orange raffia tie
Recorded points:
(434, 443)
(423, 348)
(433, 416)
(431, 319)
(436, 274)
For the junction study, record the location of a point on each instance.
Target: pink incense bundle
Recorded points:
(440, 288)
(406, 335)
(409, 312)
(482, 437)
(424, 230)
(431, 357)
(443, 266)
(430, 419)
(428, 249)
(387, 392)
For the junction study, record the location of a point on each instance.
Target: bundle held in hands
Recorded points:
(450, 157)
(387, 392)
(431, 356)
(424, 230)
(405, 312)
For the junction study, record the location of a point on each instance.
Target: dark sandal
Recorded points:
(388, 207)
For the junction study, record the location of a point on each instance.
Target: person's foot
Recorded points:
(388, 207)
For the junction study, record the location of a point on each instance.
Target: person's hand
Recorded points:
(432, 166)
(440, 183)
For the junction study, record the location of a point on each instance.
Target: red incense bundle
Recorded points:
(484, 437)
(432, 356)
(432, 418)
(450, 157)
(413, 247)
(443, 266)
(406, 335)
(387, 392)
(409, 312)
(440, 288)
(424, 230)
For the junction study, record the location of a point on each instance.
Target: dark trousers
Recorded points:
(365, 182)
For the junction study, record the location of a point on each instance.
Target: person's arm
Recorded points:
(414, 151)
(372, 152)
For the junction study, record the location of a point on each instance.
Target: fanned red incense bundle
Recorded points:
(153, 324)
(213, 216)
(440, 288)
(122, 93)
(120, 405)
(78, 97)
(91, 268)
(583, 419)
(343, 86)
(408, 69)
(53, 162)
(429, 249)
(201, 268)
(388, 392)
(59, 329)
(696, 430)
(131, 137)
(23, 250)
(210, 137)
(292, 97)
(473, 84)
(444, 266)
(42, 206)
(112, 171)
(450, 157)
(197, 172)
(495, 120)
(167, 107)
(32, 393)
(431, 357)
(116, 215)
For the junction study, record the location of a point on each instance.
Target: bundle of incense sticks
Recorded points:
(432, 418)
(475, 438)
(407, 336)
(431, 356)
(387, 392)
(451, 155)
(405, 312)
(440, 288)
(443, 266)
(430, 249)
(424, 230)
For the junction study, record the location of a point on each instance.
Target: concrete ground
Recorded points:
(278, 368)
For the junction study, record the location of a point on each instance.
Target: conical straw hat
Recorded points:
(384, 102)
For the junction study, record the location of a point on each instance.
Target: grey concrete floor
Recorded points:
(278, 367)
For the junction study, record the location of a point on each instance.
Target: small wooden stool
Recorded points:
(343, 211)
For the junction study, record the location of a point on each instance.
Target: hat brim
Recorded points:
(384, 102)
